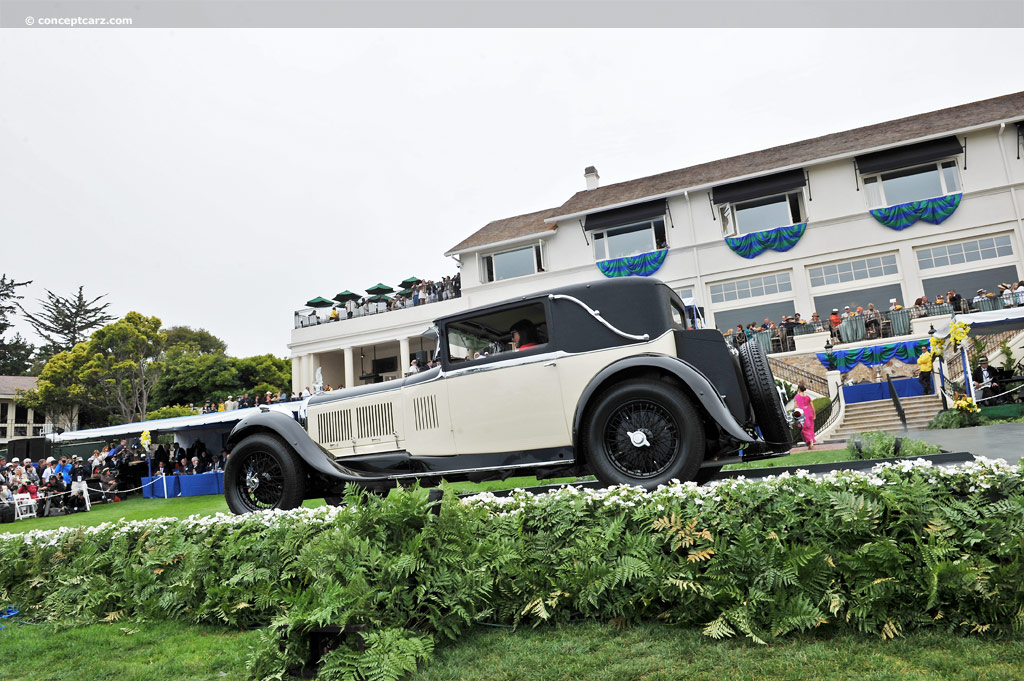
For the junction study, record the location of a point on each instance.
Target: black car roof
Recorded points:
(593, 293)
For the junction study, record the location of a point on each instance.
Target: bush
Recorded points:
(169, 412)
(905, 547)
(878, 444)
(954, 418)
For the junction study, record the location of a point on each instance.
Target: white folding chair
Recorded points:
(24, 506)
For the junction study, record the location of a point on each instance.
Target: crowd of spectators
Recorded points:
(245, 401)
(421, 294)
(1010, 295)
(70, 484)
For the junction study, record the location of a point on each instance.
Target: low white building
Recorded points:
(910, 207)
(17, 421)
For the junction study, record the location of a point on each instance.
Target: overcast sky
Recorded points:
(220, 178)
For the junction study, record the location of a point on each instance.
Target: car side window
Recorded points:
(501, 333)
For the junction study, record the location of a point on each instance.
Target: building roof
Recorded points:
(506, 229)
(788, 155)
(10, 385)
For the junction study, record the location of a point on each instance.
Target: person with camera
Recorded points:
(79, 474)
(76, 502)
(51, 495)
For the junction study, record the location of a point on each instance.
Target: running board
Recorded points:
(398, 465)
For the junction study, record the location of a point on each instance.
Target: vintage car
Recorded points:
(608, 378)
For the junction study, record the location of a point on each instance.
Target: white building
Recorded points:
(17, 421)
(961, 168)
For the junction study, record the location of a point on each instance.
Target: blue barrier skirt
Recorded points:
(869, 392)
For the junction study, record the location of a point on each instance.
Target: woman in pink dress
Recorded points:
(803, 403)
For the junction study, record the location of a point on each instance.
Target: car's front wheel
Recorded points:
(263, 473)
(645, 433)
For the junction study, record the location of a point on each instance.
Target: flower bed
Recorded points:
(906, 546)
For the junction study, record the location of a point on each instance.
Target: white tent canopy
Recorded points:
(220, 419)
(993, 321)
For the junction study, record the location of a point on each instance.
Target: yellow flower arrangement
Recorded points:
(958, 332)
(966, 405)
(937, 345)
(145, 439)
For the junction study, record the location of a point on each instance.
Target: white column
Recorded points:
(297, 367)
(350, 369)
(314, 364)
(403, 355)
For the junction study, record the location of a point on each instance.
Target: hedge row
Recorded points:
(906, 546)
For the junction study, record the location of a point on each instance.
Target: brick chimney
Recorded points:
(593, 179)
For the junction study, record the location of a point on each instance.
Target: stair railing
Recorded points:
(795, 375)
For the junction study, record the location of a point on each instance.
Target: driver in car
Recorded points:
(524, 335)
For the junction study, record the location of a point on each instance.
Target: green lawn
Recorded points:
(137, 508)
(161, 651)
(798, 459)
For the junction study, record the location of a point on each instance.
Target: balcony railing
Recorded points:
(884, 324)
(308, 316)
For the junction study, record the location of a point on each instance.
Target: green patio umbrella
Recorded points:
(405, 292)
(410, 282)
(379, 289)
(379, 298)
(346, 296)
(320, 302)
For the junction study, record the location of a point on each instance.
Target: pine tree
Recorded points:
(65, 322)
(16, 352)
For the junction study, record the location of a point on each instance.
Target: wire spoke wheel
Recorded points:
(262, 485)
(641, 438)
(262, 473)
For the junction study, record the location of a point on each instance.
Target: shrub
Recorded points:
(878, 444)
(955, 418)
(169, 412)
(904, 547)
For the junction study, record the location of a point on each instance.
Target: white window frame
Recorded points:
(730, 212)
(601, 235)
(966, 264)
(740, 301)
(876, 178)
(538, 254)
(879, 279)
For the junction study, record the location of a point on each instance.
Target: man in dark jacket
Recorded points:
(984, 377)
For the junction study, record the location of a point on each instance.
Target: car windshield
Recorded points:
(491, 334)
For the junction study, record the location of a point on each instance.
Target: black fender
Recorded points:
(296, 437)
(692, 377)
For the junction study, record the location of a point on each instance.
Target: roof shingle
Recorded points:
(10, 385)
(836, 144)
(507, 228)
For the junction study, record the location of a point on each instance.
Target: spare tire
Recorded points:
(764, 398)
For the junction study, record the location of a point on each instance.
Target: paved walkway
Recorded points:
(1003, 441)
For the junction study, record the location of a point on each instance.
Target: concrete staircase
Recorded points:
(881, 415)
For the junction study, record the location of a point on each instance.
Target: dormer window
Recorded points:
(761, 203)
(913, 172)
(912, 184)
(631, 230)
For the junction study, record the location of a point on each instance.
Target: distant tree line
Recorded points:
(98, 373)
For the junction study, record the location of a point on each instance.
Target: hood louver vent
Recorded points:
(424, 412)
(376, 420)
(335, 426)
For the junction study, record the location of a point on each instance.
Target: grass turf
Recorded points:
(137, 508)
(159, 651)
(797, 459)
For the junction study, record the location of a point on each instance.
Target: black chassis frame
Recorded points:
(704, 365)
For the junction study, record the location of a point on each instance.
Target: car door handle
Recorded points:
(550, 364)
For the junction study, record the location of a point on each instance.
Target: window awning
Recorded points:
(909, 155)
(759, 187)
(626, 215)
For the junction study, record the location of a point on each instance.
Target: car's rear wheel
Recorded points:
(645, 433)
(764, 398)
(263, 473)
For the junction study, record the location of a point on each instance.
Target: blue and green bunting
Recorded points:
(779, 239)
(643, 265)
(903, 215)
(875, 355)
